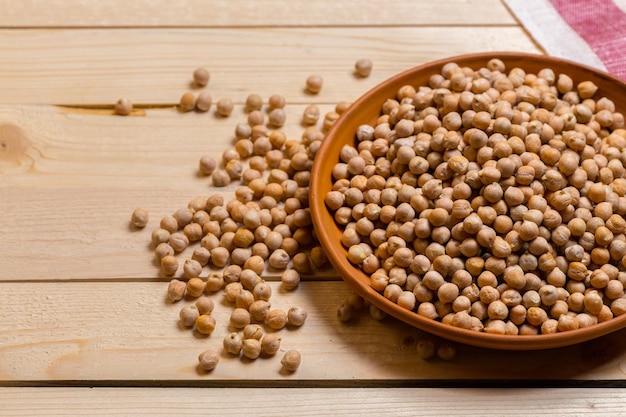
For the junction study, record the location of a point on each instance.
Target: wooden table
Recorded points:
(84, 325)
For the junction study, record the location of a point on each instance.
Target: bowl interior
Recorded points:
(366, 110)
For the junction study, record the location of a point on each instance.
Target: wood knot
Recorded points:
(13, 144)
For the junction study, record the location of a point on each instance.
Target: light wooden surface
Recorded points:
(83, 303)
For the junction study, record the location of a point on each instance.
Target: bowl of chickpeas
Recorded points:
(482, 198)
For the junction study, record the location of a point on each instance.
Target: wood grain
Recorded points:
(126, 331)
(153, 67)
(267, 402)
(225, 13)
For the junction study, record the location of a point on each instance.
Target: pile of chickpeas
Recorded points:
(265, 229)
(491, 199)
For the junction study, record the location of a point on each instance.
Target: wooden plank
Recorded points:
(197, 13)
(126, 331)
(399, 402)
(153, 67)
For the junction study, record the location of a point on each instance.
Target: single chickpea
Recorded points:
(233, 343)
(239, 318)
(195, 287)
(276, 319)
(205, 305)
(205, 324)
(270, 344)
(169, 265)
(214, 282)
(201, 77)
(290, 279)
(310, 115)
(208, 360)
(224, 107)
(176, 290)
(123, 107)
(363, 67)
(204, 101)
(139, 218)
(187, 102)
(291, 360)
(231, 290)
(277, 117)
(314, 84)
(296, 316)
(253, 102)
(276, 101)
(259, 310)
(251, 348)
(188, 315)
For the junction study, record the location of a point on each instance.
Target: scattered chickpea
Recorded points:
(176, 290)
(205, 324)
(205, 305)
(253, 331)
(139, 218)
(231, 290)
(251, 348)
(426, 348)
(201, 77)
(345, 312)
(363, 67)
(204, 101)
(233, 343)
(276, 101)
(214, 282)
(310, 115)
(169, 265)
(192, 269)
(239, 318)
(259, 310)
(208, 360)
(270, 344)
(296, 316)
(123, 107)
(276, 319)
(224, 107)
(314, 84)
(446, 351)
(189, 315)
(164, 249)
(291, 360)
(187, 102)
(207, 165)
(262, 291)
(254, 102)
(195, 287)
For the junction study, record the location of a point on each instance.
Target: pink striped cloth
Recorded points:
(591, 32)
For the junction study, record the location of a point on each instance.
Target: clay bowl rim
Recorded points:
(364, 110)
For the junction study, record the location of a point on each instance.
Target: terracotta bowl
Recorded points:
(365, 110)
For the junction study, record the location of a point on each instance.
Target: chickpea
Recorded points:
(224, 107)
(363, 67)
(139, 218)
(204, 101)
(239, 318)
(251, 348)
(276, 319)
(123, 107)
(205, 324)
(291, 360)
(314, 84)
(208, 360)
